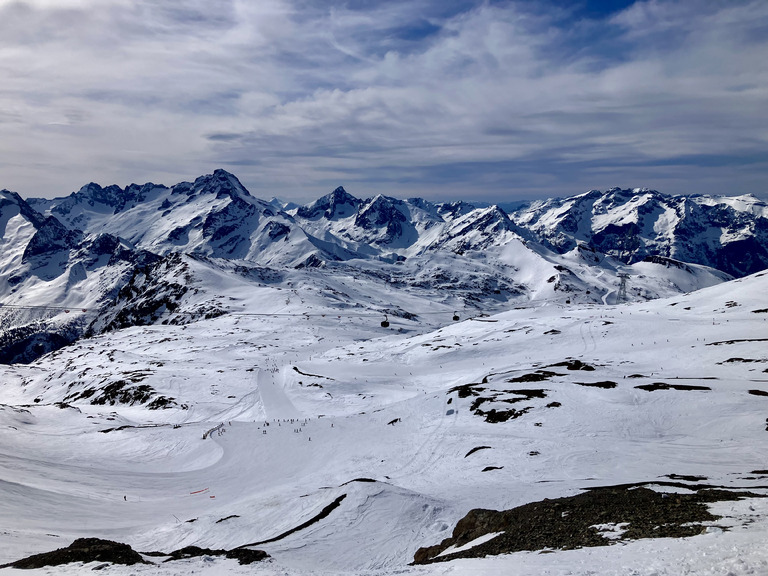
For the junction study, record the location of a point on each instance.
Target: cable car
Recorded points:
(385, 322)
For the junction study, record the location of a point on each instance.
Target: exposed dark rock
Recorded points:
(108, 430)
(123, 392)
(247, 556)
(325, 512)
(475, 449)
(242, 555)
(604, 384)
(570, 522)
(51, 237)
(25, 344)
(467, 390)
(538, 376)
(82, 550)
(296, 369)
(687, 478)
(527, 394)
(574, 364)
(383, 211)
(737, 341)
(664, 386)
(495, 416)
(153, 290)
(312, 261)
(364, 480)
(337, 204)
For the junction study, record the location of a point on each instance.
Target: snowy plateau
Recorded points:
(382, 386)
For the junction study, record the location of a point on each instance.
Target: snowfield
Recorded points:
(296, 423)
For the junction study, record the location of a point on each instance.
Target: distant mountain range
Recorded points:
(727, 233)
(135, 254)
(216, 216)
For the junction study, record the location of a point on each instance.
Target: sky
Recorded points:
(444, 99)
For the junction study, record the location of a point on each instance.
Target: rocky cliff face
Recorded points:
(727, 233)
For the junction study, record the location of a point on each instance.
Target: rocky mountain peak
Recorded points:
(51, 237)
(12, 202)
(453, 210)
(491, 220)
(221, 183)
(112, 195)
(337, 204)
(380, 211)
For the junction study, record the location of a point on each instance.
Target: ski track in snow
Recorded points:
(276, 403)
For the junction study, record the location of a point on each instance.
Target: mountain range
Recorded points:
(112, 251)
(727, 233)
(216, 216)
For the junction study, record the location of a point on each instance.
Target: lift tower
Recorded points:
(622, 295)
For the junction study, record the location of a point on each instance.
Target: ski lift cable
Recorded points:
(370, 314)
(38, 307)
(339, 314)
(468, 313)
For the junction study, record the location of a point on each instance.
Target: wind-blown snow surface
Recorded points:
(303, 406)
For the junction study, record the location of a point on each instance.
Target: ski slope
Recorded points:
(274, 418)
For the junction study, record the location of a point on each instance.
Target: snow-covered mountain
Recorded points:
(46, 270)
(217, 217)
(214, 216)
(106, 249)
(727, 233)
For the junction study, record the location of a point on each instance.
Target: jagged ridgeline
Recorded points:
(726, 233)
(102, 259)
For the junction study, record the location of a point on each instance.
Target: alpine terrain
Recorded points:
(195, 380)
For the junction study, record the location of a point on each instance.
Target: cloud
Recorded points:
(409, 98)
